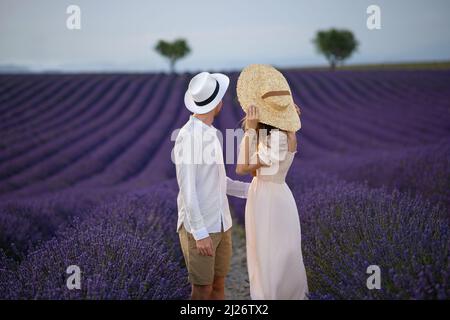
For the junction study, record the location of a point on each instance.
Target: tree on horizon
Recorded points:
(173, 51)
(336, 45)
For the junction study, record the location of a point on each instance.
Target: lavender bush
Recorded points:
(421, 170)
(125, 250)
(24, 224)
(347, 227)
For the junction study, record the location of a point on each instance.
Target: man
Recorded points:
(204, 220)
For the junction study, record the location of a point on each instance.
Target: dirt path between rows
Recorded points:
(236, 285)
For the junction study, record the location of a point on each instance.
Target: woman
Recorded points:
(274, 255)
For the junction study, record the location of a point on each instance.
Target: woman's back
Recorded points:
(273, 150)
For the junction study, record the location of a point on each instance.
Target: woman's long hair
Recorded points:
(264, 126)
(263, 130)
(261, 126)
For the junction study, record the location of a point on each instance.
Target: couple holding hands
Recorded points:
(273, 237)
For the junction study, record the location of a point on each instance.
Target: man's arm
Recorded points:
(186, 180)
(237, 188)
(186, 167)
(186, 172)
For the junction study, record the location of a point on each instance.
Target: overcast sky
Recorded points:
(223, 35)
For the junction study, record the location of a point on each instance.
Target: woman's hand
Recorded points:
(252, 117)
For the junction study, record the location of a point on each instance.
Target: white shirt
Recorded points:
(202, 200)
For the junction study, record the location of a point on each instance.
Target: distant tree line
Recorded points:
(336, 45)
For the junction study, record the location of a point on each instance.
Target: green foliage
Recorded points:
(173, 50)
(335, 45)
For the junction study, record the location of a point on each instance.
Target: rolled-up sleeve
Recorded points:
(237, 188)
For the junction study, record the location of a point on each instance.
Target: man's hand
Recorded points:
(205, 246)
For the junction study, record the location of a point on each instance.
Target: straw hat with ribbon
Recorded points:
(266, 88)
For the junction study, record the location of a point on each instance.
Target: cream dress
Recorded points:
(272, 225)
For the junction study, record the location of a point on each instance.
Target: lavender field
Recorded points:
(86, 179)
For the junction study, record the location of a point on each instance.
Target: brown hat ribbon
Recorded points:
(276, 94)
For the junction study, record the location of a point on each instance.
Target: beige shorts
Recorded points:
(203, 269)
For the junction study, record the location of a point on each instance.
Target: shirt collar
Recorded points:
(204, 125)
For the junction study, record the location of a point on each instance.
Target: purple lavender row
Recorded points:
(64, 122)
(44, 114)
(75, 146)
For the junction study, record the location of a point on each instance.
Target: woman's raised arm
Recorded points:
(246, 163)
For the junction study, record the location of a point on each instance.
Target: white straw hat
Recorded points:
(266, 88)
(205, 92)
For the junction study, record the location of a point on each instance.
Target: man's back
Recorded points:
(202, 201)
